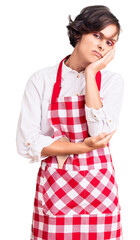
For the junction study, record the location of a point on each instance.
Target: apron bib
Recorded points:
(85, 186)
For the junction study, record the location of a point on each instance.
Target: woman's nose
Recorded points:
(101, 46)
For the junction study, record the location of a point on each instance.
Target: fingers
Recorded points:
(103, 135)
(103, 62)
(91, 141)
(100, 136)
(99, 141)
(112, 51)
(109, 56)
(111, 133)
(103, 142)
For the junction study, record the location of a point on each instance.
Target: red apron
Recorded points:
(79, 201)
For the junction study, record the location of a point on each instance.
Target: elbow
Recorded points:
(102, 126)
(22, 151)
(45, 152)
(21, 148)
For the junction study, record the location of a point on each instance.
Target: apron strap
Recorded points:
(98, 80)
(57, 85)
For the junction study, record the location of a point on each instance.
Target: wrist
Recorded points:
(90, 73)
(84, 148)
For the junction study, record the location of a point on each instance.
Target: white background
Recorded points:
(34, 36)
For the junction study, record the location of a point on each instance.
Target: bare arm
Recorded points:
(59, 148)
(91, 91)
(92, 95)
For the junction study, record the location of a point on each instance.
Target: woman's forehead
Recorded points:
(113, 37)
(110, 32)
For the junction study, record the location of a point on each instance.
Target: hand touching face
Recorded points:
(94, 46)
(101, 63)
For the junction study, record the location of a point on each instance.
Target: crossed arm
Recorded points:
(59, 148)
(93, 99)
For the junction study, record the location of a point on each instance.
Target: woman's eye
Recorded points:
(110, 43)
(97, 35)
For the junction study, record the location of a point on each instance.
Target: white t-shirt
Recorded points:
(33, 130)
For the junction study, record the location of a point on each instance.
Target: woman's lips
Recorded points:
(97, 54)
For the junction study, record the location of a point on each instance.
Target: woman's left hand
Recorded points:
(101, 63)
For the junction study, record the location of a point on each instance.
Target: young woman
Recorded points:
(69, 113)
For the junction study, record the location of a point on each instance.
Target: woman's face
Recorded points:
(93, 46)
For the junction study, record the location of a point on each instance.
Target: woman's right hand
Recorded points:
(100, 141)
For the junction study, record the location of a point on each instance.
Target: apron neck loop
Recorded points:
(57, 85)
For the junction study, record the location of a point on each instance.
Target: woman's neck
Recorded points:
(75, 62)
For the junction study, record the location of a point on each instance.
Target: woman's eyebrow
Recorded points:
(109, 38)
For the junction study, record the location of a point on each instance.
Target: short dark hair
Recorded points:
(91, 19)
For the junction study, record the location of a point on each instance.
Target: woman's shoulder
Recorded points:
(107, 74)
(42, 80)
(45, 74)
(110, 78)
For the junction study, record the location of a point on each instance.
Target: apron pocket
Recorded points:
(79, 192)
(103, 190)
